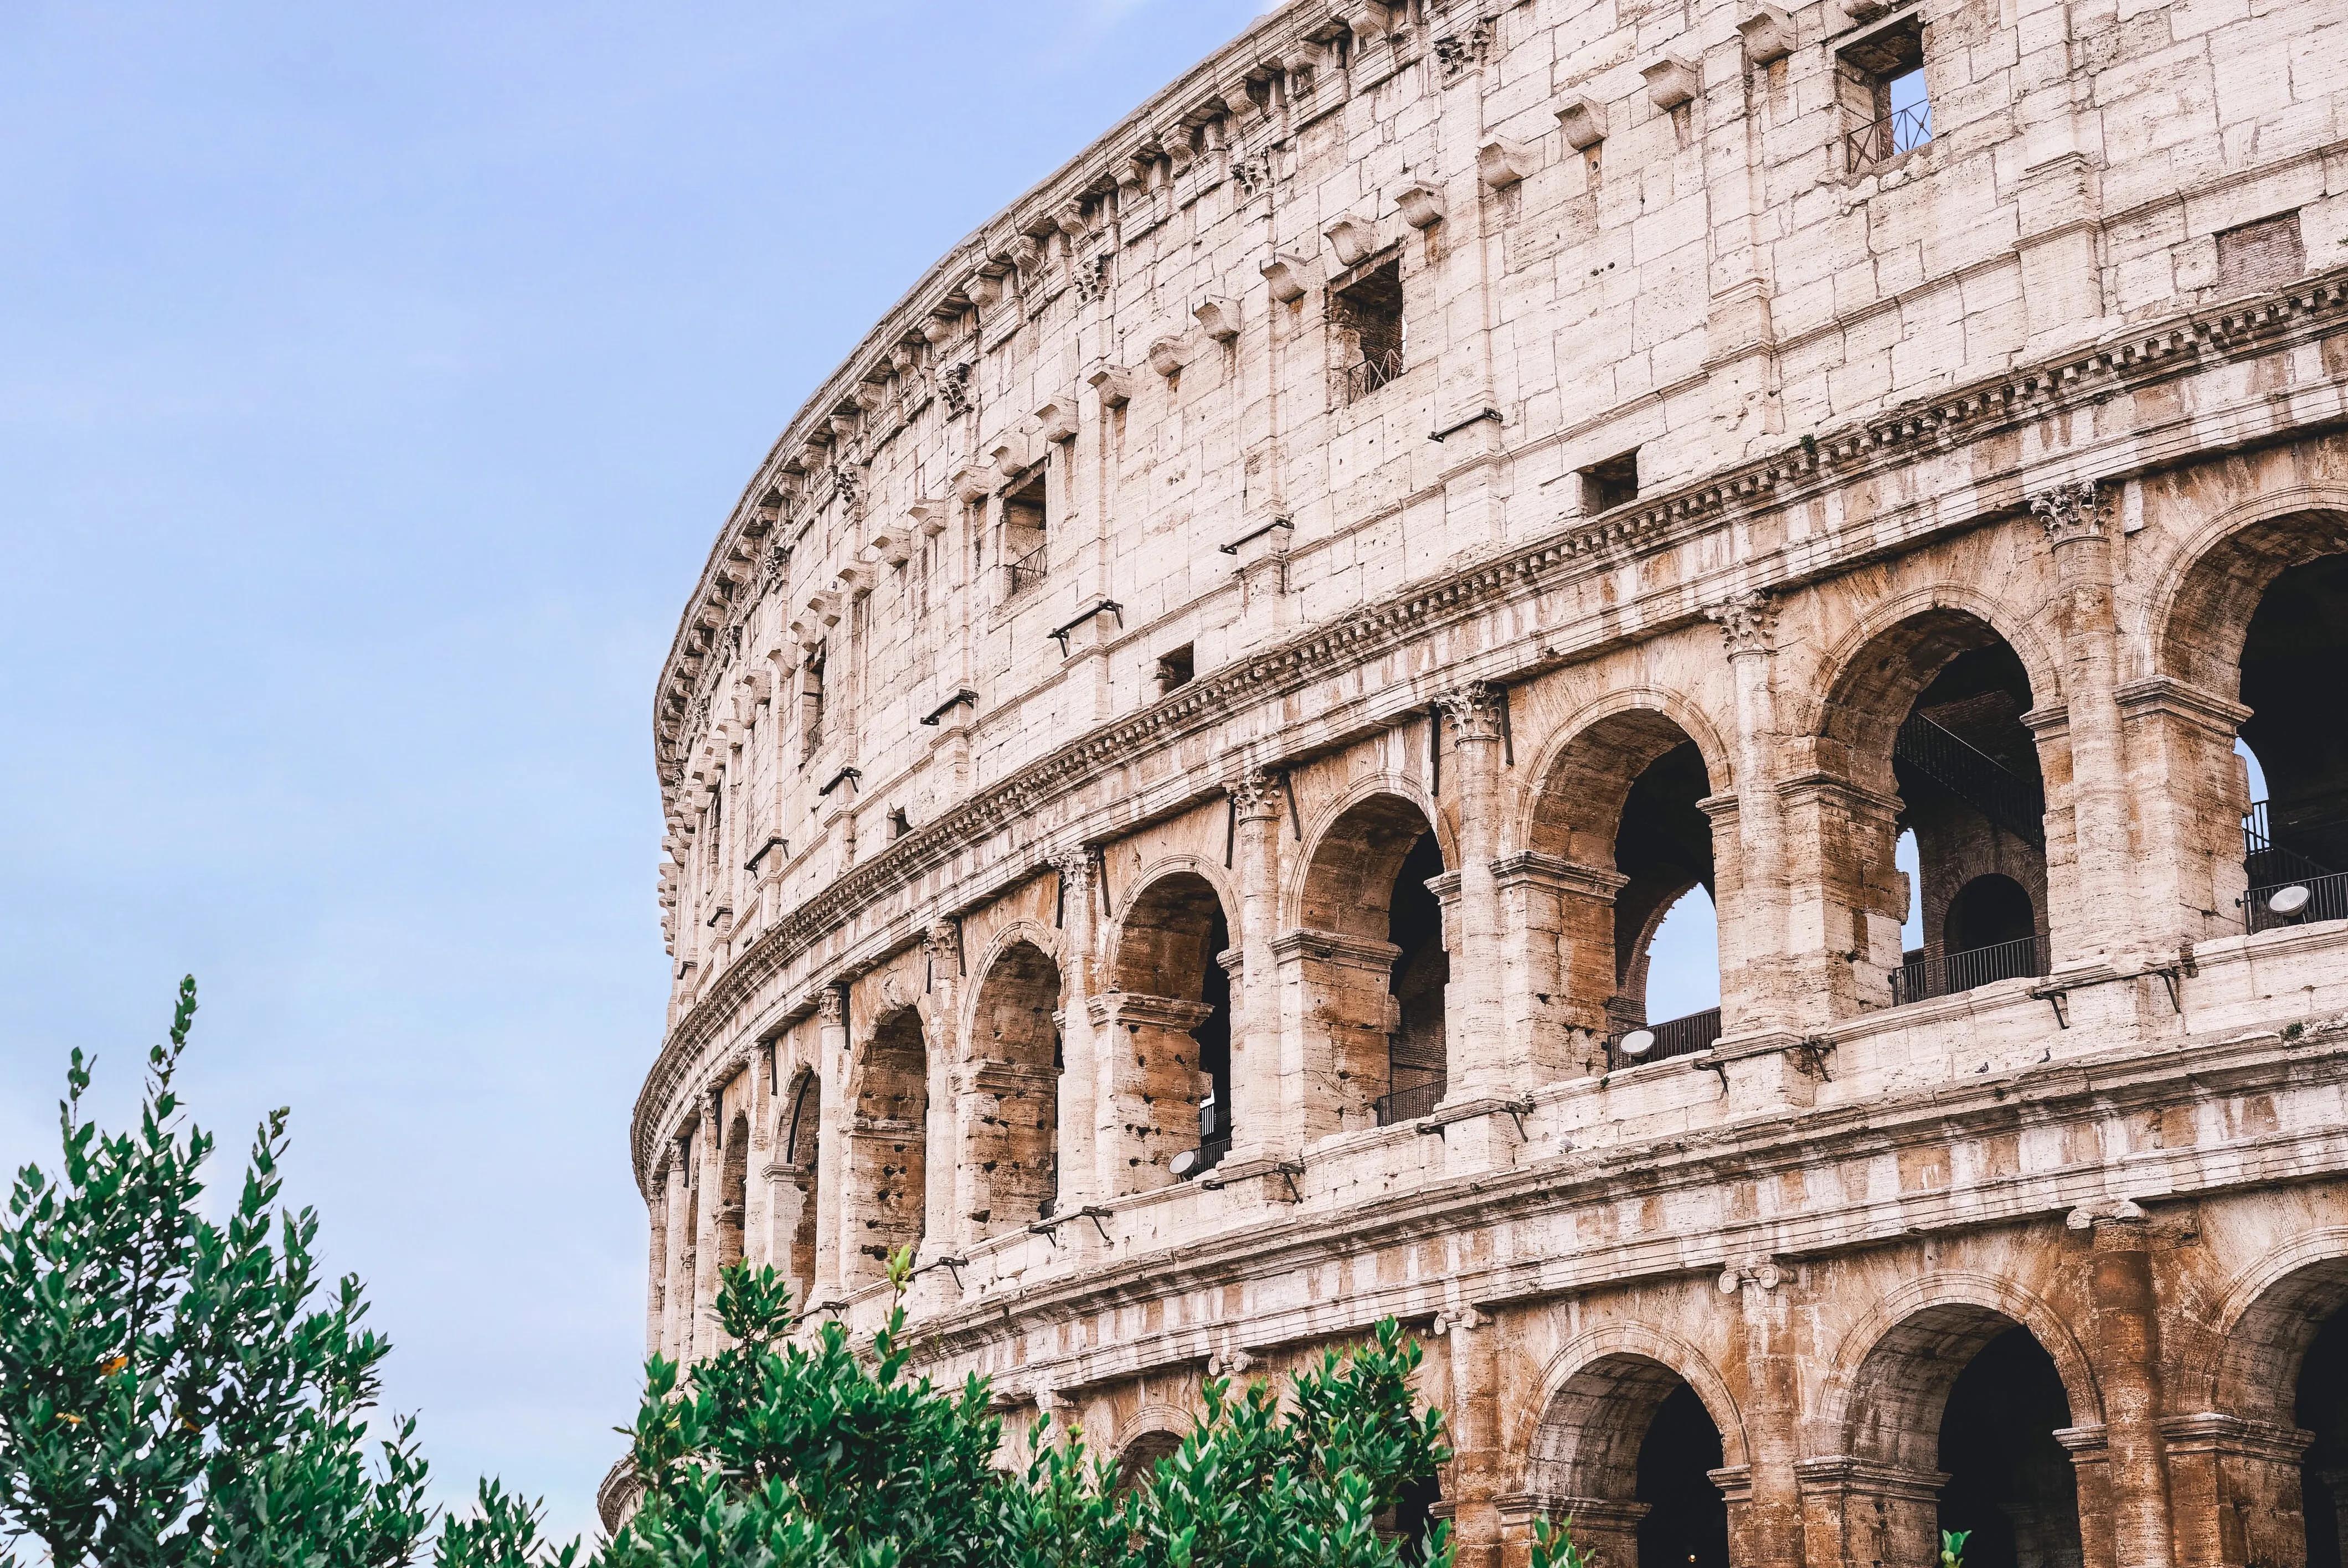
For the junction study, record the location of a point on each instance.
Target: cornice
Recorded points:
(1928, 427)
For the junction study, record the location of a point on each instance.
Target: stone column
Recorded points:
(1481, 1461)
(2102, 894)
(2123, 1345)
(1753, 988)
(2093, 1476)
(1844, 906)
(833, 1207)
(1859, 1513)
(1149, 1087)
(710, 1166)
(1765, 1493)
(2236, 1489)
(1561, 964)
(2190, 793)
(757, 1186)
(676, 1286)
(1078, 1139)
(656, 1251)
(1338, 1015)
(1258, 1032)
(1483, 1063)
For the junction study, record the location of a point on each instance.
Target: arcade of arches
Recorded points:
(2034, 1229)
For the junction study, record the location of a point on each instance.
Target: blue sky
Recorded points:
(372, 382)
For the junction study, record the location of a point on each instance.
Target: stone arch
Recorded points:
(1370, 954)
(1528, 829)
(1616, 831)
(1151, 1433)
(1040, 935)
(733, 1189)
(1008, 1170)
(2198, 610)
(799, 1142)
(2262, 1327)
(1170, 1090)
(1925, 725)
(1939, 1312)
(1603, 1397)
(887, 1146)
(1844, 670)
(1318, 840)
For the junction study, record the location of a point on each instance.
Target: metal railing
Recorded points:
(1410, 1104)
(2327, 899)
(1356, 382)
(1895, 134)
(1214, 1136)
(1673, 1037)
(2014, 801)
(1946, 974)
(1026, 571)
(2269, 865)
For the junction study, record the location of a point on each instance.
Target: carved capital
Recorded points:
(1474, 710)
(831, 1004)
(1747, 621)
(1256, 795)
(2070, 511)
(1076, 870)
(942, 944)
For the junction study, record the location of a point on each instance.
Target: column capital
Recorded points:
(1747, 621)
(2070, 511)
(831, 1004)
(942, 944)
(1257, 794)
(1474, 710)
(1074, 870)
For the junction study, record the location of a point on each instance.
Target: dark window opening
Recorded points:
(899, 824)
(1024, 538)
(2298, 728)
(2262, 255)
(1175, 669)
(1367, 316)
(1880, 80)
(1214, 1038)
(811, 705)
(1611, 484)
(1416, 1065)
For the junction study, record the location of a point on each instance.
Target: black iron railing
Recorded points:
(1673, 1037)
(1945, 974)
(1214, 1136)
(2014, 801)
(1356, 382)
(1409, 1104)
(1026, 571)
(2327, 899)
(2269, 865)
(1895, 134)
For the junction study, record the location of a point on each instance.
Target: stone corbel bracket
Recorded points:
(1289, 277)
(1584, 120)
(1113, 383)
(1768, 36)
(1352, 240)
(1217, 318)
(1672, 81)
(1421, 204)
(1166, 356)
(1500, 163)
(1056, 419)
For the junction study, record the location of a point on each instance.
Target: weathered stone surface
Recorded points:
(1321, 726)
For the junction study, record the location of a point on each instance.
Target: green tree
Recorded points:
(177, 1391)
(797, 1452)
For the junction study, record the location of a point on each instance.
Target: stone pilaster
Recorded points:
(1754, 988)
(1483, 1063)
(2123, 1345)
(834, 1204)
(1258, 1031)
(1082, 1175)
(1765, 1494)
(1480, 1464)
(2103, 895)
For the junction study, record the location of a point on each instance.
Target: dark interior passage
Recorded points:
(2321, 1409)
(2011, 1484)
(2295, 682)
(1416, 1061)
(1686, 1524)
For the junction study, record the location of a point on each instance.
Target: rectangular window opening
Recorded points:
(1880, 80)
(1024, 532)
(1366, 312)
(1611, 484)
(1175, 669)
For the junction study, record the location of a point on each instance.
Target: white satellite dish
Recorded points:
(2289, 901)
(1638, 1043)
(1183, 1164)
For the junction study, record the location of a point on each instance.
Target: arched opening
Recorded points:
(1621, 834)
(1416, 1069)
(1957, 1418)
(2282, 1381)
(1174, 1004)
(733, 1191)
(888, 1176)
(802, 1146)
(1372, 930)
(1140, 1456)
(1412, 1519)
(2294, 680)
(1011, 1124)
(1927, 721)
(1627, 1448)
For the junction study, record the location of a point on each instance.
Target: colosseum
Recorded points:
(1175, 765)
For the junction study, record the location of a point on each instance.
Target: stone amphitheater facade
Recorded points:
(1174, 764)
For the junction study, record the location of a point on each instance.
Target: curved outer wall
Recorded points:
(1557, 448)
